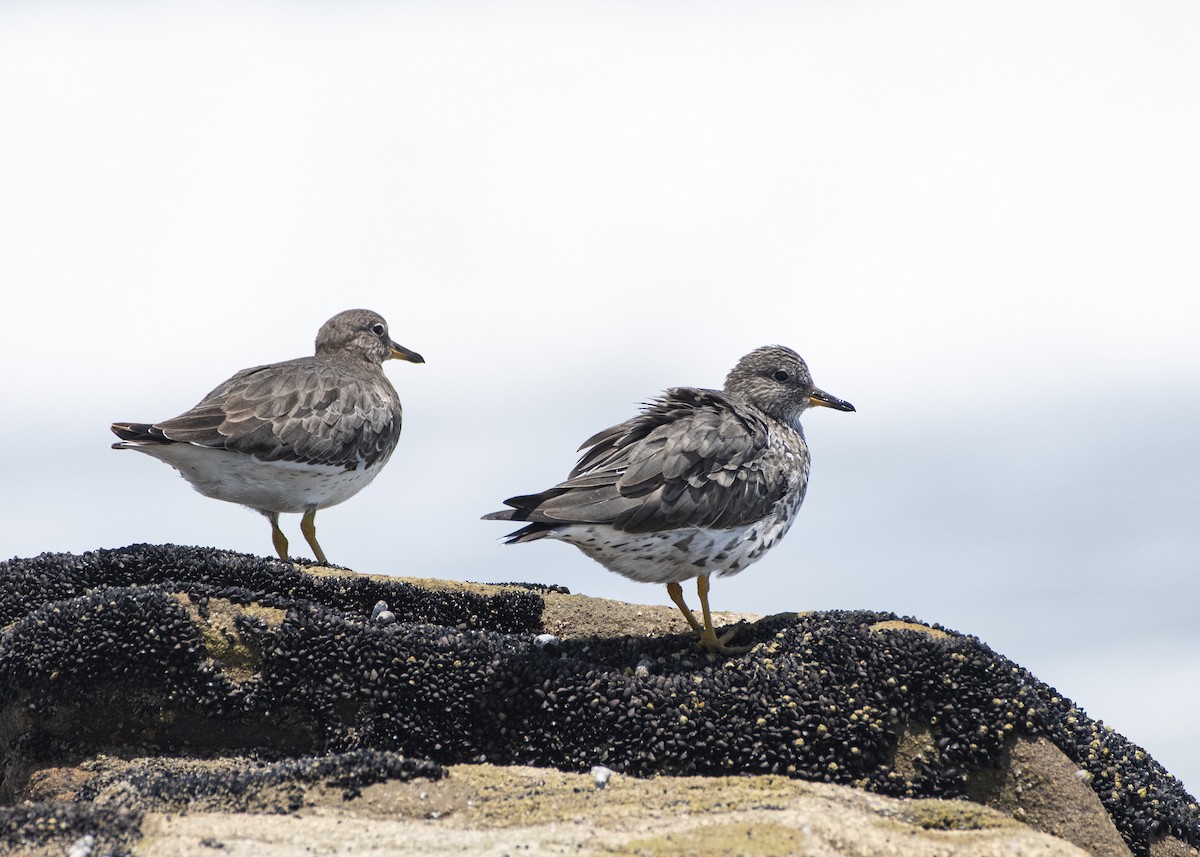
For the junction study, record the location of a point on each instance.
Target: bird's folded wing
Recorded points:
(315, 416)
(692, 458)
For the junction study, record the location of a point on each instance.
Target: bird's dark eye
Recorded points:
(782, 376)
(378, 329)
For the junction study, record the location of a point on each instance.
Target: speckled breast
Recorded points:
(684, 553)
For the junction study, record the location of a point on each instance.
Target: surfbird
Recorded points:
(290, 437)
(699, 483)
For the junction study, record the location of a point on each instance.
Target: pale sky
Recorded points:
(977, 222)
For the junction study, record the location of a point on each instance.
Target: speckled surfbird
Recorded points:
(701, 482)
(290, 437)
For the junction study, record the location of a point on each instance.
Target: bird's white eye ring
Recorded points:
(378, 329)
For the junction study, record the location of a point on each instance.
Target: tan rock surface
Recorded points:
(1034, 783)
(486, 810)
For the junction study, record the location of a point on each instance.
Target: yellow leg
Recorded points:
(676, 593)
(308, 526)
(708, 636)
(277, 537)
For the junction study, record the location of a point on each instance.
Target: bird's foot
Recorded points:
(710, 642)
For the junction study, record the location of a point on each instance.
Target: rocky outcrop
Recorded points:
(244, 683)
(485, 809)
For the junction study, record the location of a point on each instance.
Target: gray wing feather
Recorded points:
(691, 458)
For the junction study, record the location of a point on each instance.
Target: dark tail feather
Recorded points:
(138, 433)
(529, 533)
(525, 534)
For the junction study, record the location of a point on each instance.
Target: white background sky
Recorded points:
(978, 222)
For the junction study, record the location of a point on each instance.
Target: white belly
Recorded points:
(273, 486)
(676, 555)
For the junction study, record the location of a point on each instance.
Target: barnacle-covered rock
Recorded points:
(198, 653)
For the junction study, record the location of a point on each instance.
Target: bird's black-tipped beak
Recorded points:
(824, 400)
(399, 352)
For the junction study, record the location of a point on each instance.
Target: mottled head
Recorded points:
(362, 334)
(775, 380)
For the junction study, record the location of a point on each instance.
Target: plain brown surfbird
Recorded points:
(290, 437)
(701, 482)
